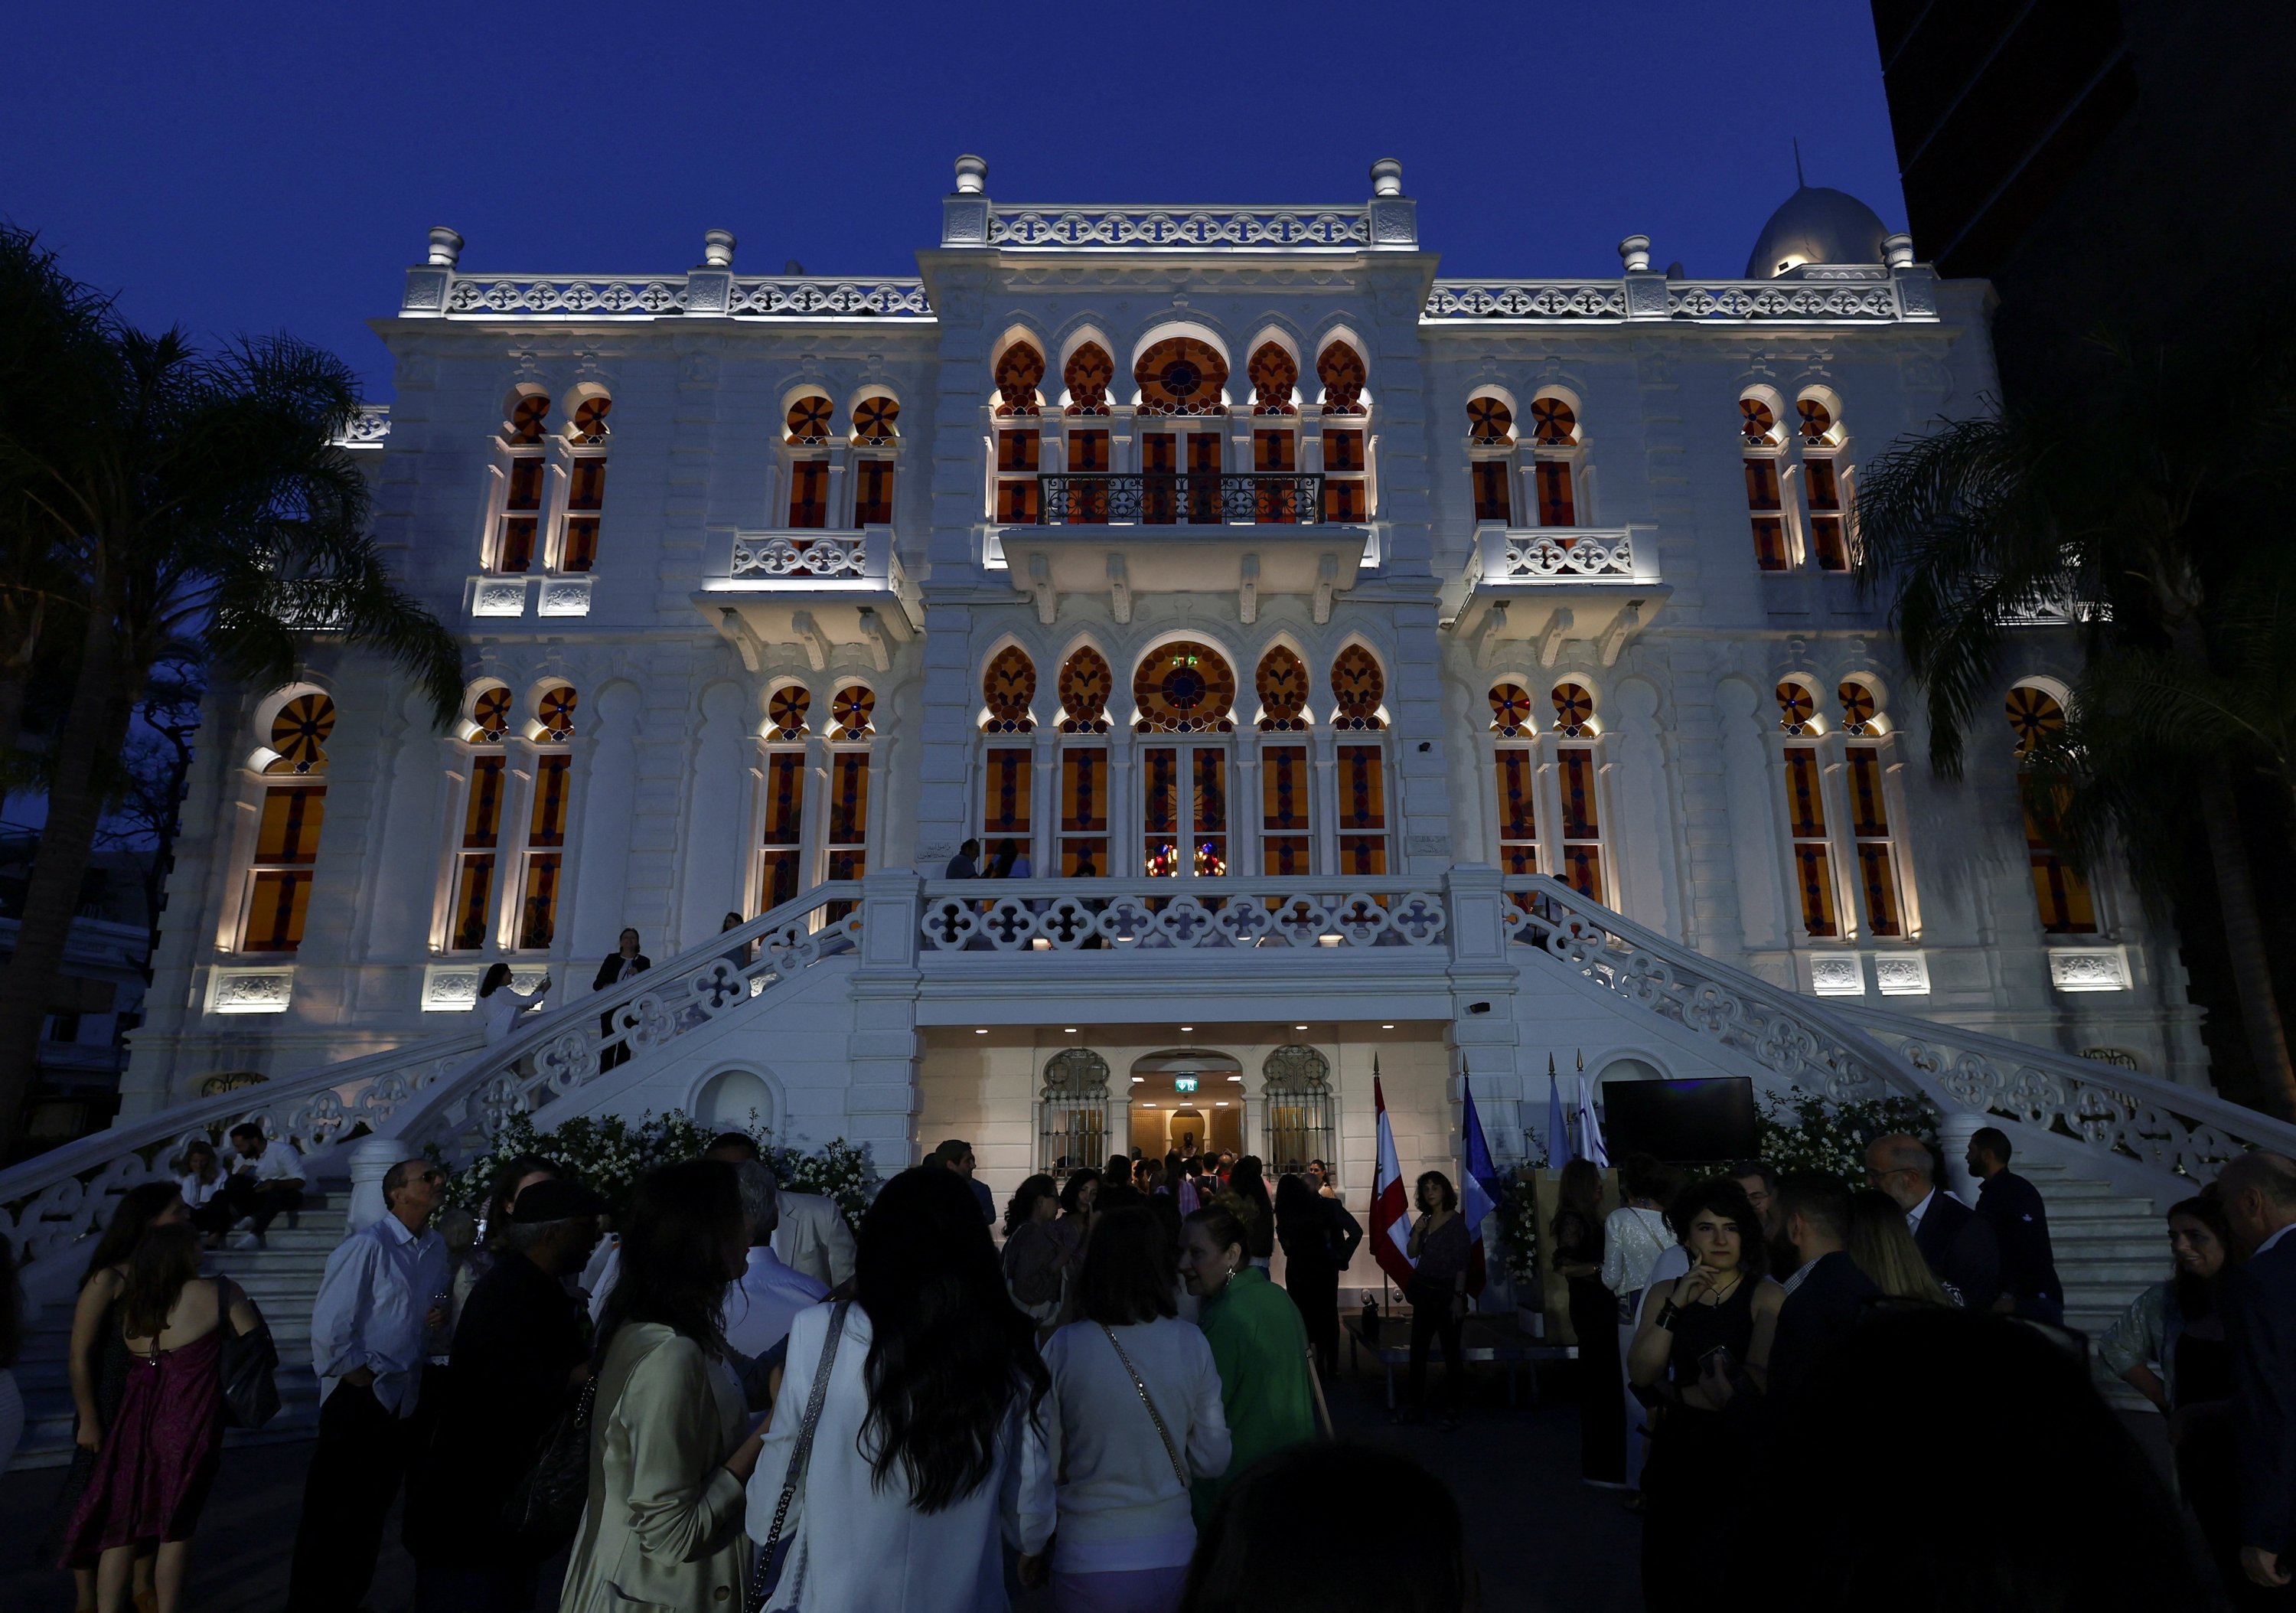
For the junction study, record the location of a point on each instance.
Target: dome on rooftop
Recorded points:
(1816, 224)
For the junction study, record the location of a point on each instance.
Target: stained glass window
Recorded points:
(552, 776)
(1209, 801)
(1287, 836)
(1806, 826)
(546, 830)
(786, 711)
(1574, 709)
(1553, 423)
(1582, 821)
(590, 420)
(1086, 685)
(809, 501)
(1869, 825)
(809, 419)
(1362, 788)
(526, 418)
(1858, 706)
(538, 907)
(1509, 709)
(1556, 508)
(1816, 420)
(554, 712)
(876, 421)
(299, 732)
(1796, 706)
(1181, 375)
(1346, 493)
(1341, 369)
(1359, 685)
(585, 496)
(1160, 828)
(1273, 374)
(1518, 815)
(1017, 453)
(522, 515)
(1007, 688)
(1088, 456)
(780, 871)
(1083, 812)
(1494, 488)
(1489, 421)
(1018, 370)
(2060, 890)
(1274, 457)
(1766, 512)
(1824, 492)
(474, 874)
(872, 492)
(851, 709)
(286, 846)
(1087, 373)
(1282, 684)
(848, 814)
(1184, 687)
(1756, 423)
(490, 715)
(2033, 716)
(1006, 775)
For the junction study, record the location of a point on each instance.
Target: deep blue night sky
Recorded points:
(275, 167)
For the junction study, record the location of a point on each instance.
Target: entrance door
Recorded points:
(1184, 810)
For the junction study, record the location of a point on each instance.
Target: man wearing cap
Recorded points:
(522, 1348)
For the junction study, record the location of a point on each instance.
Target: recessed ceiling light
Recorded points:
(1220, 1103)
(1070, 1030)
(1299, 1027)
(981, 1032)
(1136, 1080)
(1187, 1027)
(1147, 1106)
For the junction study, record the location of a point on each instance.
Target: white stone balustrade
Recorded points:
(444, 293)
(1073, 915)
(1830, 294)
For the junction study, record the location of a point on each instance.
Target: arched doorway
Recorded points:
(1185, 1094)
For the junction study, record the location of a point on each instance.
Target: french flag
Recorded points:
(1479, 1183)
(1390, 1201)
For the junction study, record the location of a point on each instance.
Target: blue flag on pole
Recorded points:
(1478, 1190)
(1559, 1151)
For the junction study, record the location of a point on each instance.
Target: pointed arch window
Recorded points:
(781, 857)
(470, 923)
(1806, 817)
(1515, 769)
(1869, 810)
(1297, 1101)
(1822, 494)
(1286, 808)
(1757, 427)
(876, 437)
(846, 828)
(1347, 487)
(1019, 370)
(1555, 442)
(543, 864)
(1490, 462)
(1008, 771)
(518, 528)
(1577, 778)
(1086, 684)
(2061, 893)
(1184, 689)
(288, 822)
(1088, 375)
(1274, 375)
(808, 423)
(586, 484)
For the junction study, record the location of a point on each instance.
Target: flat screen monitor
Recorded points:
(1681, 1121)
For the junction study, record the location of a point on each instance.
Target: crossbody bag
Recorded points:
(1179, 1468)
(775, 1552)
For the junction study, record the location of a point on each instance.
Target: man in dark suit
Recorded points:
(1826, 1294)
(1960, 1249)
(2012, 1206)
(2258, 1194)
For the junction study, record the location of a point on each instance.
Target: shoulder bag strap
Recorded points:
(1179, 1468)
(761, 1590)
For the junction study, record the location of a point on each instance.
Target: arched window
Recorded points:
(1073, 1130)
(554, 714)
(1862, 725)
(1490, 458)
(586, 483)
(1286, 808)
(1758, 425)
(1515, 759)
(1554, 445)
(876, 435)
(1008, 771)
(1295, 1085)
(1357, 686)
(1275, 447)
(1087, 373)
(1086, 685)
(1806, 817)
(808, 421)
(470, 924)
(288, 824)
(1184, 688)
(2060, 892)
(1577, 778)
(846, 836)
(1274, 375)
(525, 475)
(1019, 368)
(1181, 377)
(1347, 490)
(1822, 486)
(781, 858)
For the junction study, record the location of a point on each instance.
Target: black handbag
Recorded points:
(545, 1507)
(250, 1370)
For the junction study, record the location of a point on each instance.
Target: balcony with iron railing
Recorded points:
(1179, 499)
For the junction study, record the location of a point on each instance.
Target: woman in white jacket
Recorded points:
(927, 1447)
(1137, 1417)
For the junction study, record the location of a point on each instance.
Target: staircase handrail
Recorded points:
(53, 1199)
(2109, 1107)
(1803, 1040)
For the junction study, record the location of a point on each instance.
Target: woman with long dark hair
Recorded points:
(97, 1364)
(1249, 1183)
(2170, 1346)
(1576, 1238)
(1137, 1416)
(1036, 1258)
(1700, 1357)
(928, 1433)
(1266, 1387)
(662, 1523)
(1439, 1246)
(158, 1458)
(1319, 1237)
(501, 1005)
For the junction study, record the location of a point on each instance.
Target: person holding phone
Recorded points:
(1699, 1361)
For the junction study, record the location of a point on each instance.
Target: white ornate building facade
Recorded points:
(1375, 671)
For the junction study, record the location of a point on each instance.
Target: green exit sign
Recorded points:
(1184, 1083)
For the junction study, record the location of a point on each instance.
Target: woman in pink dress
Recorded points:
(159, 1456)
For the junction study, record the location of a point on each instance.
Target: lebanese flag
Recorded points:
(1391, 1204)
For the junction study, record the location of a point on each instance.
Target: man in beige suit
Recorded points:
(813, 1237)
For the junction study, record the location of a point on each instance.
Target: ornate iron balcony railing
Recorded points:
(1178, 498)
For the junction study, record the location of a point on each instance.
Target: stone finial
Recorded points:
(1634, 251)
(446, 247)
(972, 175)
(717, 249)
(1898, 251)
(1387, 178)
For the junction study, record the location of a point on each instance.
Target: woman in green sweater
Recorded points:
(1257, 1344)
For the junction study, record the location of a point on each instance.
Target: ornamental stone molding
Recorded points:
(1295, 1067)
(1076, 1072)
(1837, 975)
(2088, 970)
(1901, 974)
(252, 991)
(565, 597)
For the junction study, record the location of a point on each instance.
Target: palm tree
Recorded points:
(201, 509)
(2133, 526)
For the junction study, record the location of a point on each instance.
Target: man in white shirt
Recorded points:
(762, 1302)
(813, 1237)
(382, 1305)
(266, 1182)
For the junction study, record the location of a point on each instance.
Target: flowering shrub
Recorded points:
(1806, 1132)
(1517, 1211)
(609, 1153)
